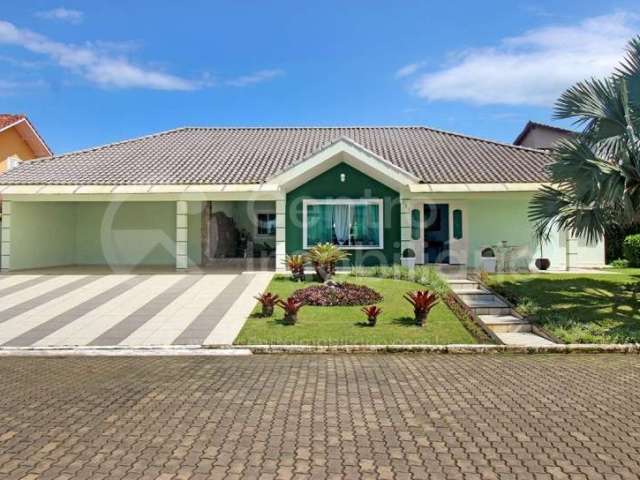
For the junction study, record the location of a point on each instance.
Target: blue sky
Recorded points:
(92, 72)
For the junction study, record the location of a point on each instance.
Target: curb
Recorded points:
(449, 349)
(241, 350)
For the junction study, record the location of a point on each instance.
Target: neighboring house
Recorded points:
(541, 136)
(19, 141)
(173, 198)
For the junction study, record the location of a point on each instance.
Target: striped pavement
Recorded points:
(125, 309)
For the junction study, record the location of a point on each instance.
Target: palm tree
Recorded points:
(595, 177)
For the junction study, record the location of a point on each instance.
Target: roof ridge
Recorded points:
(485, 140)
(106, 145)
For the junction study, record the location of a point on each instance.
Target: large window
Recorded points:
(266, 224)
(350, 224)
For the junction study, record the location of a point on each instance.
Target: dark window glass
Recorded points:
(457, 224)
(267, 224)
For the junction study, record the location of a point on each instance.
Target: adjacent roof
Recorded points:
(27, 131)
(253, 155)
(562, 132)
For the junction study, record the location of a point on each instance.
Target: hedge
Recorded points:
(631, 248)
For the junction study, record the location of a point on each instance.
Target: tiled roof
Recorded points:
(7, 119)
(253, 155)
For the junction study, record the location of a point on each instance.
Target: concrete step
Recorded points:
(506, 323)
(488, 305)
(478, 295)
(522, 338)
(462, 284)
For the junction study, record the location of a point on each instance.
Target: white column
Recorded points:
(182, 259)
(5, 246)
(405, 225)
(281, 216)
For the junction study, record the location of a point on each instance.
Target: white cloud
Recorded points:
(535, 67)
(62, 14)
(253, 78)
(93, 63)
(408, 70)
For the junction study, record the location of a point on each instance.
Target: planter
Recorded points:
(290, 318)
(542, 263)
(489, 264)
(409, 262)
(421, 318)
(372, 321)
(267, 310)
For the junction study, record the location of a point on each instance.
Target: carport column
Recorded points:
(281, 217)
(5, 247)
(405, 225)
(182, 258)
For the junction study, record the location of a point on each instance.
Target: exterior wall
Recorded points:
(357, 185)
(46, 234)
(541, 138)
(11, 143)
(42, 234)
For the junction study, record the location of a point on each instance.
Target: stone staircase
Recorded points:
(499, 317)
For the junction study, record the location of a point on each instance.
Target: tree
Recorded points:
(595, 176)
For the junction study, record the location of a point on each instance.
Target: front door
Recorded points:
(436, 232)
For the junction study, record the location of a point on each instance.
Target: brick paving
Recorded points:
(335, 416)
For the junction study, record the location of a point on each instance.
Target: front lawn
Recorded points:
(347, 325)
(578, 308)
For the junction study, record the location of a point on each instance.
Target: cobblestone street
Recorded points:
(342, 416)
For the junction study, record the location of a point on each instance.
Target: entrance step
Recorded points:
(488, 305)
(523, 338)
(477, 295)
(463, 284)
(506, 323)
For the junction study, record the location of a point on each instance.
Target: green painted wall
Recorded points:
(42, 234)
(357, 185)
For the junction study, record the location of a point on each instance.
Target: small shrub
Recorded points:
(291, 308)
(268, 300)
(620, 263)
(295, 264)
(372, 313)
(527, 307)
(631, 249)
(324, 257)
(423, 301)
(338, 294)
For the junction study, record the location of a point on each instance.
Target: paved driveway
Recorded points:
(342, 417)
(125, 309)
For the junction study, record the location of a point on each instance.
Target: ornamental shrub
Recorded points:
(631, 249)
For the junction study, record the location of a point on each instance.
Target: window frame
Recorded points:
(351, 202)
(275, 226)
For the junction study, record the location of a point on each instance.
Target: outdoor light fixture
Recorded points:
(343, 177)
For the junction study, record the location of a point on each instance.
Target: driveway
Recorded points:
(125, 309)
(334, 416)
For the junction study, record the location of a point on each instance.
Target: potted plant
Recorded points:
(541, 262)
(295, 264)
(268, 300)
(290, 307)
(488, 257)
(324, 257)
(408, 258)
(372, 313)
(423, 301)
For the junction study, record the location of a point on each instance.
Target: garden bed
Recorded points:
(347, 325)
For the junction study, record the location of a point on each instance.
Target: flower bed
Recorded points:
(338, 294)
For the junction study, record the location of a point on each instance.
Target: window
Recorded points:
(12, 162)
(266, 224)
(415, 224)
(350, 224)
(457, 224)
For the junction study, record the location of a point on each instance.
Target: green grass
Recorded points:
(347, 325)
(578, 308)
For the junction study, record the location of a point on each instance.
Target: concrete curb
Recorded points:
(240, 350)
(450, 349)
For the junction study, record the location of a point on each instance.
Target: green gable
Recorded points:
(357, 185)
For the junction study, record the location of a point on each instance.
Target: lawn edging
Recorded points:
(450, 349)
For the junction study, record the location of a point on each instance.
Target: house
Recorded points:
(539, 135)
(19, 141)
(193, 196)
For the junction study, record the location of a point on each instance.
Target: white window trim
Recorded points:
(263, 235)
(346, 201)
